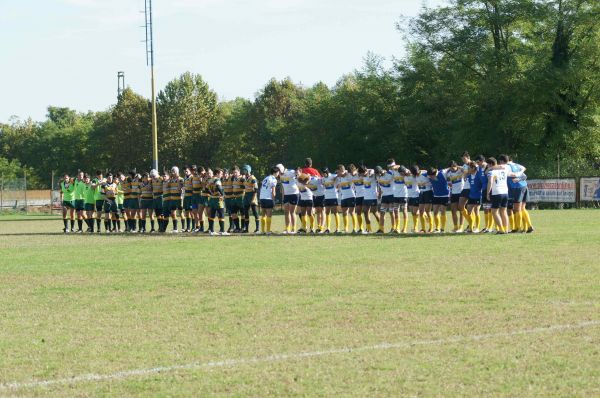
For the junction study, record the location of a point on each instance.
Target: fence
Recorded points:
(15, 196)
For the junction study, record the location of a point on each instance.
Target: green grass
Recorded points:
(73, 305)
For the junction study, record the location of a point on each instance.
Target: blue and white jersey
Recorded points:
(465, 169)
(386, 183)
(266, 187)
(456, 179)
(370, 187)
(329, 186)
(424, 182)
(320, 187)
(289, 182)
(476, 183)
(412, 187)
(306, 191)
(499, 182)
(346, 185)
(400, 190)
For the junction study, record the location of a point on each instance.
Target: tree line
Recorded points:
(498, 76)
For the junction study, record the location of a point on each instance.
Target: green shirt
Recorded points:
(120, 195)
(80, 189)
(67, 191)
(89, 194)
(98, 190)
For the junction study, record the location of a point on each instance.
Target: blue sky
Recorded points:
(68, 52)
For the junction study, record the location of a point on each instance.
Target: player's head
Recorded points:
(432, 172)
(362, 170)
(341, 169)
(415, 170)
(86, 178)
(80, 174)
(390, 163)
(280, 167)
(503, 159)
(109, 178)
(480, 160)
(492, 161)
(453, 165)
(466, 158)
(325, 171)
(235, 171)
(379, 170)
(246, 170)
(220, 173)
(308, 162)
(175, 171)
(274, 171)
(99, 173)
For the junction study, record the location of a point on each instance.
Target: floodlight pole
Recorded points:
(150, 60)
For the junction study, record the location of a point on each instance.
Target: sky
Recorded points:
(68, 52)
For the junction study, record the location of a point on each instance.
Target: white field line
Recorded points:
(284, 357)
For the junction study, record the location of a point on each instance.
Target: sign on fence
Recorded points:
(589, 188)
(555, 191)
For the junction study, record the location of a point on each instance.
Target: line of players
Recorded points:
(499, 187)
(129, 200)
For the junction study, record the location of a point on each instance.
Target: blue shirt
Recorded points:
(477, 181)
(440, 185)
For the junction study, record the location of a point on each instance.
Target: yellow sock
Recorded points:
(346, 222)
(327, 221)
(467, 217)
(430, 220)
(444, 219)
(437, 221)
(369, 227)
(263, 224)
(423, 222)
(355, 225)
(511, 221)
(405, 225)
(415, 218)
(303, 221)
(477, 220)
(337, 221)
(268, 222)
(360, 222)
(312, 222)
(526, 220)
(518, 217)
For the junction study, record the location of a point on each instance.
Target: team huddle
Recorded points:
(313, 201)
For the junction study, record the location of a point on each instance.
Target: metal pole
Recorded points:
(150, 38)
(25, 181)
(2, 192)
(51, 190)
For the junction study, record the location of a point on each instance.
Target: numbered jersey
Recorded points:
(499, 181)
(329, 186)
(266, 187)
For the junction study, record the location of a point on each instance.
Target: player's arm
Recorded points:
(489, 185)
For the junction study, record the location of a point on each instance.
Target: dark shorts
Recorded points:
(319, 201)
(68, 204)
(426, 198)
(146, 204)
(79, 204)
(187, 203)
(413, 202)
(387, 200)
(441, 200)
(465, 193)
(110, 207)
(359, 201)
(499, 201)
(100, 205)
(400, 200)
(291, 199)
(204, 200)
(249, 199)
(520, 194)
(348, 202)
(267, 203)
(474, 201)
(454, 198)
(305, 203)
(195, 200)
(369, 202)
(131, 204)
(157, 204)
(331, 202)
(89, 206)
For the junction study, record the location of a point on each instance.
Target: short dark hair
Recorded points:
(414, 169)
(492, 161)
(466, 154)
(503, 158)
(274, 170)
(308, 162)
(480, 158)
(452, 163)
(362, 169)
(432, 171)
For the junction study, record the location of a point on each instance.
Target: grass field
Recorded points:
(515, 315)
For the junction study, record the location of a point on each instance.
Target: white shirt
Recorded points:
(499, 181)
(266, 187)
(424, 182)
(346, 186)
(320, 187)
(289, 182)
(466, 183)
(400, 190)
(386, 184)
(456, 179)
(412, 187)
(370, 189)
(305, 192)
(357, 180)
(329, 186)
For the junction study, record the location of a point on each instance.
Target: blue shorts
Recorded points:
(499, 201)
(359, 200)
(292, 199)
(305, 203)
(387, 200)
(474, 201)
(426, 198)
(349, 202)
(369, 202)
(267, 203)
(318, 201)
(519, 194)
(331, 202)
